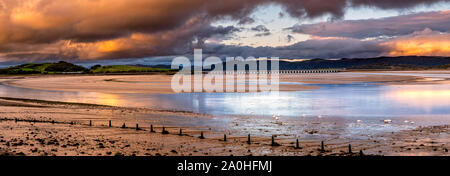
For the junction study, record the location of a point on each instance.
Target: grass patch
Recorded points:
(65, 67)
(42, 68)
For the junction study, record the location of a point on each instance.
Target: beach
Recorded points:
(40, 127)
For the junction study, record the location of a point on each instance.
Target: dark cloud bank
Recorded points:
(114, 29)
(392, 26)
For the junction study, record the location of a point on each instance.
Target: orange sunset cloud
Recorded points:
(424, 43)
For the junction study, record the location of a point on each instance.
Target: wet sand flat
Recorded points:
(27, 129)
(146, 84)
(102, 84)
(161, 84)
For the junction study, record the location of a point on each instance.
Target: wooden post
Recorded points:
(349, 148)
(110, 123)
(273, 141)
(90, 122)
(322, 147)
(181, 132)
(248, 140)
(201, 135)
(151, 129)
(224, 137)
(137, 126)
(297, 145)
(164, 131)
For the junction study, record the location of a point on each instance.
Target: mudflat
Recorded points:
(161, 84)
(38, 127)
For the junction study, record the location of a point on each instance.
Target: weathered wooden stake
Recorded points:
(137, 126)
(273, 141)
(181, 132)
(201, 135)
(224, 137)
(90, 122)
(110, 123)
(297, 145)
(164, 131)
(248, 140)
(151, 129)
(349, 148)
(322, 147)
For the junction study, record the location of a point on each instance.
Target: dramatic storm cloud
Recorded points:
(112, 29)
(321, 48)
(392, 26)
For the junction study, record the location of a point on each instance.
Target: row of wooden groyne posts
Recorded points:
(164, 131)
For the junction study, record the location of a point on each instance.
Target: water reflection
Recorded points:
(427, 97)
(75, 97)
(348, 100)
(361, 101)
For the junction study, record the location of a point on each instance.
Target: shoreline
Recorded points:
(161, 83)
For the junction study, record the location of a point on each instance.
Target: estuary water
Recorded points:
(369, 102)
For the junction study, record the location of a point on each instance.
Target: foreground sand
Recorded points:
(34, 134)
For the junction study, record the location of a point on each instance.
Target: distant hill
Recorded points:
(379, 63)
(43, 68)
(65, 67)
(403, 62)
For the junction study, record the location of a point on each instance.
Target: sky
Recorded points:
(154, 31)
